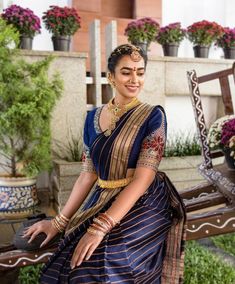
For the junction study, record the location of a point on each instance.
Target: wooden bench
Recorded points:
(12, 258)
(219, 192)
(217, 196)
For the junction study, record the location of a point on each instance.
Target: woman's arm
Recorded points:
(80, 191)
(126, 199)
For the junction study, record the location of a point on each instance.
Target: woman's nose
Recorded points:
(134, 77)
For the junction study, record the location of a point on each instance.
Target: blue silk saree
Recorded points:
(146, 247)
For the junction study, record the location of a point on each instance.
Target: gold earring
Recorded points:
(111, 82)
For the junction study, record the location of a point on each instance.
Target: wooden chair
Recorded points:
(217, 196)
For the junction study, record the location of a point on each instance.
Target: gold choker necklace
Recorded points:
(117, 110)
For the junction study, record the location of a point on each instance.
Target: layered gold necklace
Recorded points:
(117, 111)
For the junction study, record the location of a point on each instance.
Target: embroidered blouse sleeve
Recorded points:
(153, 144)
(87, 164)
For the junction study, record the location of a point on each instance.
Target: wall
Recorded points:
(187, 12)
(122, 11)
(70, 110)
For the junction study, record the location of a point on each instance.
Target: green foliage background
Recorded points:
(27, 98)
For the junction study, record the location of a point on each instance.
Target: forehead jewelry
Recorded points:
(135, 54)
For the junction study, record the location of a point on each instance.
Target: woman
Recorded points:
(130, 227)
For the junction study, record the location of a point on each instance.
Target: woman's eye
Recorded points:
(126, 74)
(140, 74)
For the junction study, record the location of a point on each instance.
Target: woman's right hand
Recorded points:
(43, 226)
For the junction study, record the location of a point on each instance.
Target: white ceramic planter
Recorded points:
(18, 197)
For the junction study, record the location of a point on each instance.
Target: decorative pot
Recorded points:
(170, 49)
(229, 53)
(201, 51)
(229, 160)
(144, 45)
(26, 42)
(61, 43)
(18, 197)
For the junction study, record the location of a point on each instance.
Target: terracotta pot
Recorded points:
(170, 49)
(201, 51)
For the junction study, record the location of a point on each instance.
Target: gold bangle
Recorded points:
(55, 225)
(99, 228)
(60, 221)
(101, 223)
(95, 232)
(110, 218)
(104, 219)
(64, 217)
(58, 225)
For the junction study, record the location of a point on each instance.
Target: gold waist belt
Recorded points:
(114, 183)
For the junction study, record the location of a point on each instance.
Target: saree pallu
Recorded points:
(146, 247)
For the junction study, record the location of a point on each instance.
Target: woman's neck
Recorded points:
(123, 101)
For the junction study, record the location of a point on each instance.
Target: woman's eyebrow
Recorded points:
(132, 69)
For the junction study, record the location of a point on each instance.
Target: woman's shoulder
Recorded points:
(156, 118)
(156, 110)
(93, 112)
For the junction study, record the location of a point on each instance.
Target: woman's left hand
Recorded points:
(85, 248)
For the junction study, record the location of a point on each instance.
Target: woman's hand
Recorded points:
(85, 248)
(43, 226)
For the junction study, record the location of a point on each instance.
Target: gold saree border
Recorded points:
(125, 139)
(122, 146)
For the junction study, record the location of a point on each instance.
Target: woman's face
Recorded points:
(128, 78)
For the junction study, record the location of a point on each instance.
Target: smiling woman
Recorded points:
(129, 229)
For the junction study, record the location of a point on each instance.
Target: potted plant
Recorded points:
(27, 98)
(227, 42)
(25, 22)
(202, 34)
(67, 164)
(181, 158)
(222, 136)
(170, 37)
(62, 22)
(142, 32)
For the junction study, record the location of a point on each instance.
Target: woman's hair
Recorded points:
(125, 49)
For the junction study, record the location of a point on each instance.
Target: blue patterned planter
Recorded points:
(18, 196)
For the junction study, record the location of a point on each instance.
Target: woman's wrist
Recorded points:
(102, 224)
(60, 222)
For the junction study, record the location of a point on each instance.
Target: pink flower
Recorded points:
(172, 33)
(142, 30)
(204, 32)
(61, 20)
(22, 19)
(227, 39)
